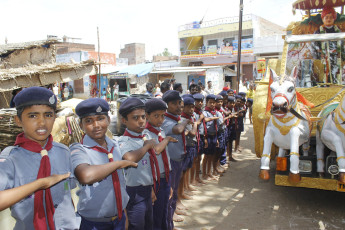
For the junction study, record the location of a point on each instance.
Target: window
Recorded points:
(212, 42)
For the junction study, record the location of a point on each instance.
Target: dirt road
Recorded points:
(240, 201)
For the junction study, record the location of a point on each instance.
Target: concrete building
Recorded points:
(68, 45)
(216, 43)
(134, 52)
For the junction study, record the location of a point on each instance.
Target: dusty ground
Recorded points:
(240, 201)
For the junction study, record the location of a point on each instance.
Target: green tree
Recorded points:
(166, 53)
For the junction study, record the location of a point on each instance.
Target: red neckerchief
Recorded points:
(163, 153)
(40, 221)
(153, 162)
(115, 177)
(178, 118)
(203, 120)
(213, 112)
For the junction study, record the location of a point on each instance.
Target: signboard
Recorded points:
(246, 46)
(118, 76)
(227, 50)
(211, 49)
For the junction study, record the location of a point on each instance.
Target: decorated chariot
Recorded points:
(299, 106)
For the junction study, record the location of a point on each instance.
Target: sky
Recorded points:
(120, 22)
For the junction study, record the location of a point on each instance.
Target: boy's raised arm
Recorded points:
(179, 128)
(162, 145)
(11, 196)
(138, 154)
(89, 174)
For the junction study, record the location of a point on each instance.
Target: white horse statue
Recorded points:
(284, 129)
(331, 132)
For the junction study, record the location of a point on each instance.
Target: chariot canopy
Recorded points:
(316, 4)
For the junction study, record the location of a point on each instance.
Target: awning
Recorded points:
(139, 70)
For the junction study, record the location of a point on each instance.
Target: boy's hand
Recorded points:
(206, 144)
(171, 193)
(198, 122)
(171, 139)
(125, 164)
(217, 145)
(153, 197)
(53, 179)
(150, 143)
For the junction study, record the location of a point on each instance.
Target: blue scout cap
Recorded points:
(188, 100)
(231, 98)
(187, 95)
(223, 93)
(92, 106)
(243, 94)
(35, 96)
(130, 104)
(250, 100)
(230, 90)
(211, 96)
(238, 96)
(155, 104)
(219, 97)
(171, 95)
(198, 96)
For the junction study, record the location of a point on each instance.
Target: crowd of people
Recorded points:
(172, 144)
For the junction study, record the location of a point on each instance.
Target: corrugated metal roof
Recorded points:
(139, 70)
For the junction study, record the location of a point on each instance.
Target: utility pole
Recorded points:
(239, 47)
(99, 67)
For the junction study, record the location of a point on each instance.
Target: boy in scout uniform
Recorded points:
(173, 127)
(97, 164)
(139, 181)
(211, 140)
(232, 126)
(155, 114)
(191, 133)
(240, 110)
(220, 149)
(34, 156)
(199, 101)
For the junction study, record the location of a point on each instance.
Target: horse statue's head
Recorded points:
(283, 93)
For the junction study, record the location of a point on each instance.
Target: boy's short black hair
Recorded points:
(177, 85)
(165, 86)
(149, 85)
(192, 86)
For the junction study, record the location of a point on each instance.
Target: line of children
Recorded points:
(137, 180)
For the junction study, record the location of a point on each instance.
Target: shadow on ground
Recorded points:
(239, 200)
